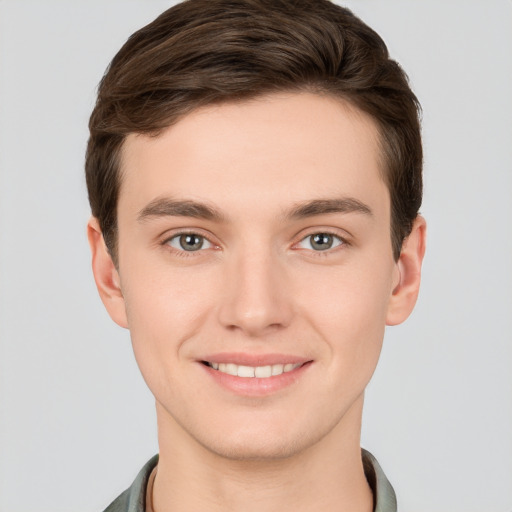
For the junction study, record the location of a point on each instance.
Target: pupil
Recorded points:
(191, 242)
(322, 241)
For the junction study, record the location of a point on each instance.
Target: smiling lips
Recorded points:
(255, 375)
(260, 372)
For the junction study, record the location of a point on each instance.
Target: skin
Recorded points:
(256, 287)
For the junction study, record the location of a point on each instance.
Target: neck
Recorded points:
(327, 476)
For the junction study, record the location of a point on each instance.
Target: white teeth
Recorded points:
(232, 369)
(277, 369)
(229, 368)
(245, 371)
(261, 372)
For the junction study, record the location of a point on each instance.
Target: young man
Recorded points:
(254, 173)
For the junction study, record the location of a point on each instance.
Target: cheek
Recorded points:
(159, 296)
(349, 310)
(165, 309)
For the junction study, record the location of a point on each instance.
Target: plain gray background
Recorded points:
(76, 420)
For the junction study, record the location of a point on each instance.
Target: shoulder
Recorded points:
(383, 493)
(134, 498)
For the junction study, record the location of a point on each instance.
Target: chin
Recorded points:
(256, 449)
(264, 441)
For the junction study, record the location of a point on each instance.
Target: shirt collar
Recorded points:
(384, 498)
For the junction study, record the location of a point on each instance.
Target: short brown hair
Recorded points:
(201, 52)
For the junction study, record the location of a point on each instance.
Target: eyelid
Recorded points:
(205, 240)
(174, 233)
(344, 239)
(167, 236)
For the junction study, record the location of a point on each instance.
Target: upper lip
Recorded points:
(244, 359)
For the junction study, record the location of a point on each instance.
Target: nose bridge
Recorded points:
(256, 300)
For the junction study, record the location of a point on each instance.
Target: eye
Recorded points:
(189, 242)
(320, 242)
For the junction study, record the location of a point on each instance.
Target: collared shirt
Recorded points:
(134, 498)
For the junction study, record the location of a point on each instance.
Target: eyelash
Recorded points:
(322, 253)
(182, 252)
(187, 254)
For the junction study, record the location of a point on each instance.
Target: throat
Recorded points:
(252, 486)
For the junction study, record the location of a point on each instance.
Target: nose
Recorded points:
(257, 299)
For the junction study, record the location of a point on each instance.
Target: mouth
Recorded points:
(255, 375)
(260, 372)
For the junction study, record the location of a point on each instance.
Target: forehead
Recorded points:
(272, 149)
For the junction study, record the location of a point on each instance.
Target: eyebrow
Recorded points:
(326, 206)
(163, 207)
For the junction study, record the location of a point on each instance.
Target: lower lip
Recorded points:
(254, 386)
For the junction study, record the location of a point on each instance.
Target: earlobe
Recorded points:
(406, 290)
(106, 275)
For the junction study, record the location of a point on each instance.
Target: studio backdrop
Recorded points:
(76, 419)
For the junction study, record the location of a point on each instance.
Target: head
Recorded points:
(254, 171)
(204, 52)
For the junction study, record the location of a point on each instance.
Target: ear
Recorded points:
(408, 266)
(106, 275)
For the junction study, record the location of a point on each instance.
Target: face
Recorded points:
(256, 272)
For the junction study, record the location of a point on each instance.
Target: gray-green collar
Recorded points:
(384, 498)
